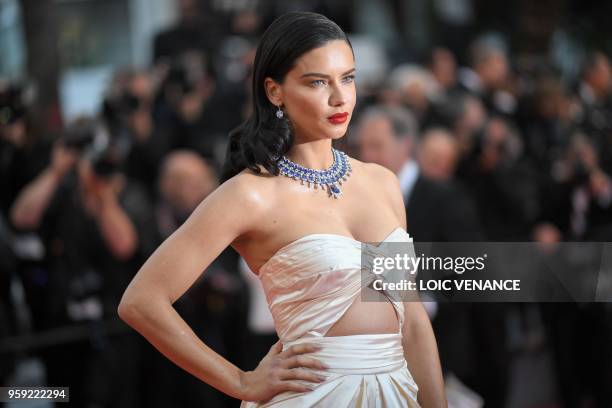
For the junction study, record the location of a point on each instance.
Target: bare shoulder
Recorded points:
(385, 181)
(376, 170)
(249, 187)
(245, 198)
(379, 175)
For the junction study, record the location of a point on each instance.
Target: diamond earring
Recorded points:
(279, 113)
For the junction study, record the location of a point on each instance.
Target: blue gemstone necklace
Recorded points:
(330, 179)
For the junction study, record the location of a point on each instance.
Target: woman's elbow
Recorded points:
(130, 307)
(126, 310)
(134, 307)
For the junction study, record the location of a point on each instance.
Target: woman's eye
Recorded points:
(348, 78)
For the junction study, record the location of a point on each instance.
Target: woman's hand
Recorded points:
(279, 370)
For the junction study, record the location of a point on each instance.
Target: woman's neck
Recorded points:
(313, 155)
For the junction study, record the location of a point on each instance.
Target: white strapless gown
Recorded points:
(309, 284)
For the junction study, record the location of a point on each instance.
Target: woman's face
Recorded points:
(320, 85)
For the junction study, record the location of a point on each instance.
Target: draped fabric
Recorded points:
(309, 284)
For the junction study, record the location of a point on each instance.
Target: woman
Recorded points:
(292, 231)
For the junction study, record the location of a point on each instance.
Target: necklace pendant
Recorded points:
(333, 190)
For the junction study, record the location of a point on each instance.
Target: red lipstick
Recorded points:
(338, 118)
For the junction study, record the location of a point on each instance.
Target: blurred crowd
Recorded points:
(483, 152)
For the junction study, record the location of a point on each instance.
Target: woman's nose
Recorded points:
(338, 97)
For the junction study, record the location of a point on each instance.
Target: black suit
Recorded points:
(441, 212)
(470, 336)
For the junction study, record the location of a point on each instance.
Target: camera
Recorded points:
(105, 162)
(92, 140)
(186, 72)
(11, 106)
(179, 78)
(80, 135)
(115, 111)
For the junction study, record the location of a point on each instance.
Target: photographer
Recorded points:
(503, 182)
(595, 97)
(197, 112)
(97, 226)
(581, 194)
(128, 113)
(23, 152)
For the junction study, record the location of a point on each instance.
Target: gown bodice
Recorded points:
(312, 281)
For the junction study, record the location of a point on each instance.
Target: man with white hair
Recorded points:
(435, 209)
(415, 87)
(438, 154)
(488, 76)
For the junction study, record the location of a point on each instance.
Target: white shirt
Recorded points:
(407, 177)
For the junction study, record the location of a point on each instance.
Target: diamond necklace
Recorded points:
(330, 179)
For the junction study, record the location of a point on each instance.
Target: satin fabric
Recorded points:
(309, 284)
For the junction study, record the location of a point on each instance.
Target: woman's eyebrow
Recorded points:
(316, 74)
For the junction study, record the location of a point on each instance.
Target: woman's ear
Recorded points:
(273, 91)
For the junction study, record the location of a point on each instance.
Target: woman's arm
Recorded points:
(419, 342)
(421, 352)
(227, 213)
(147, 302)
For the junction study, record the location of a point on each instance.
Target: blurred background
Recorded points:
(114, 114)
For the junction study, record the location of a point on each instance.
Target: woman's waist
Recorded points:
(356, 354)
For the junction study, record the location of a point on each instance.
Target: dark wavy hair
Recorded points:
(263, 138)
